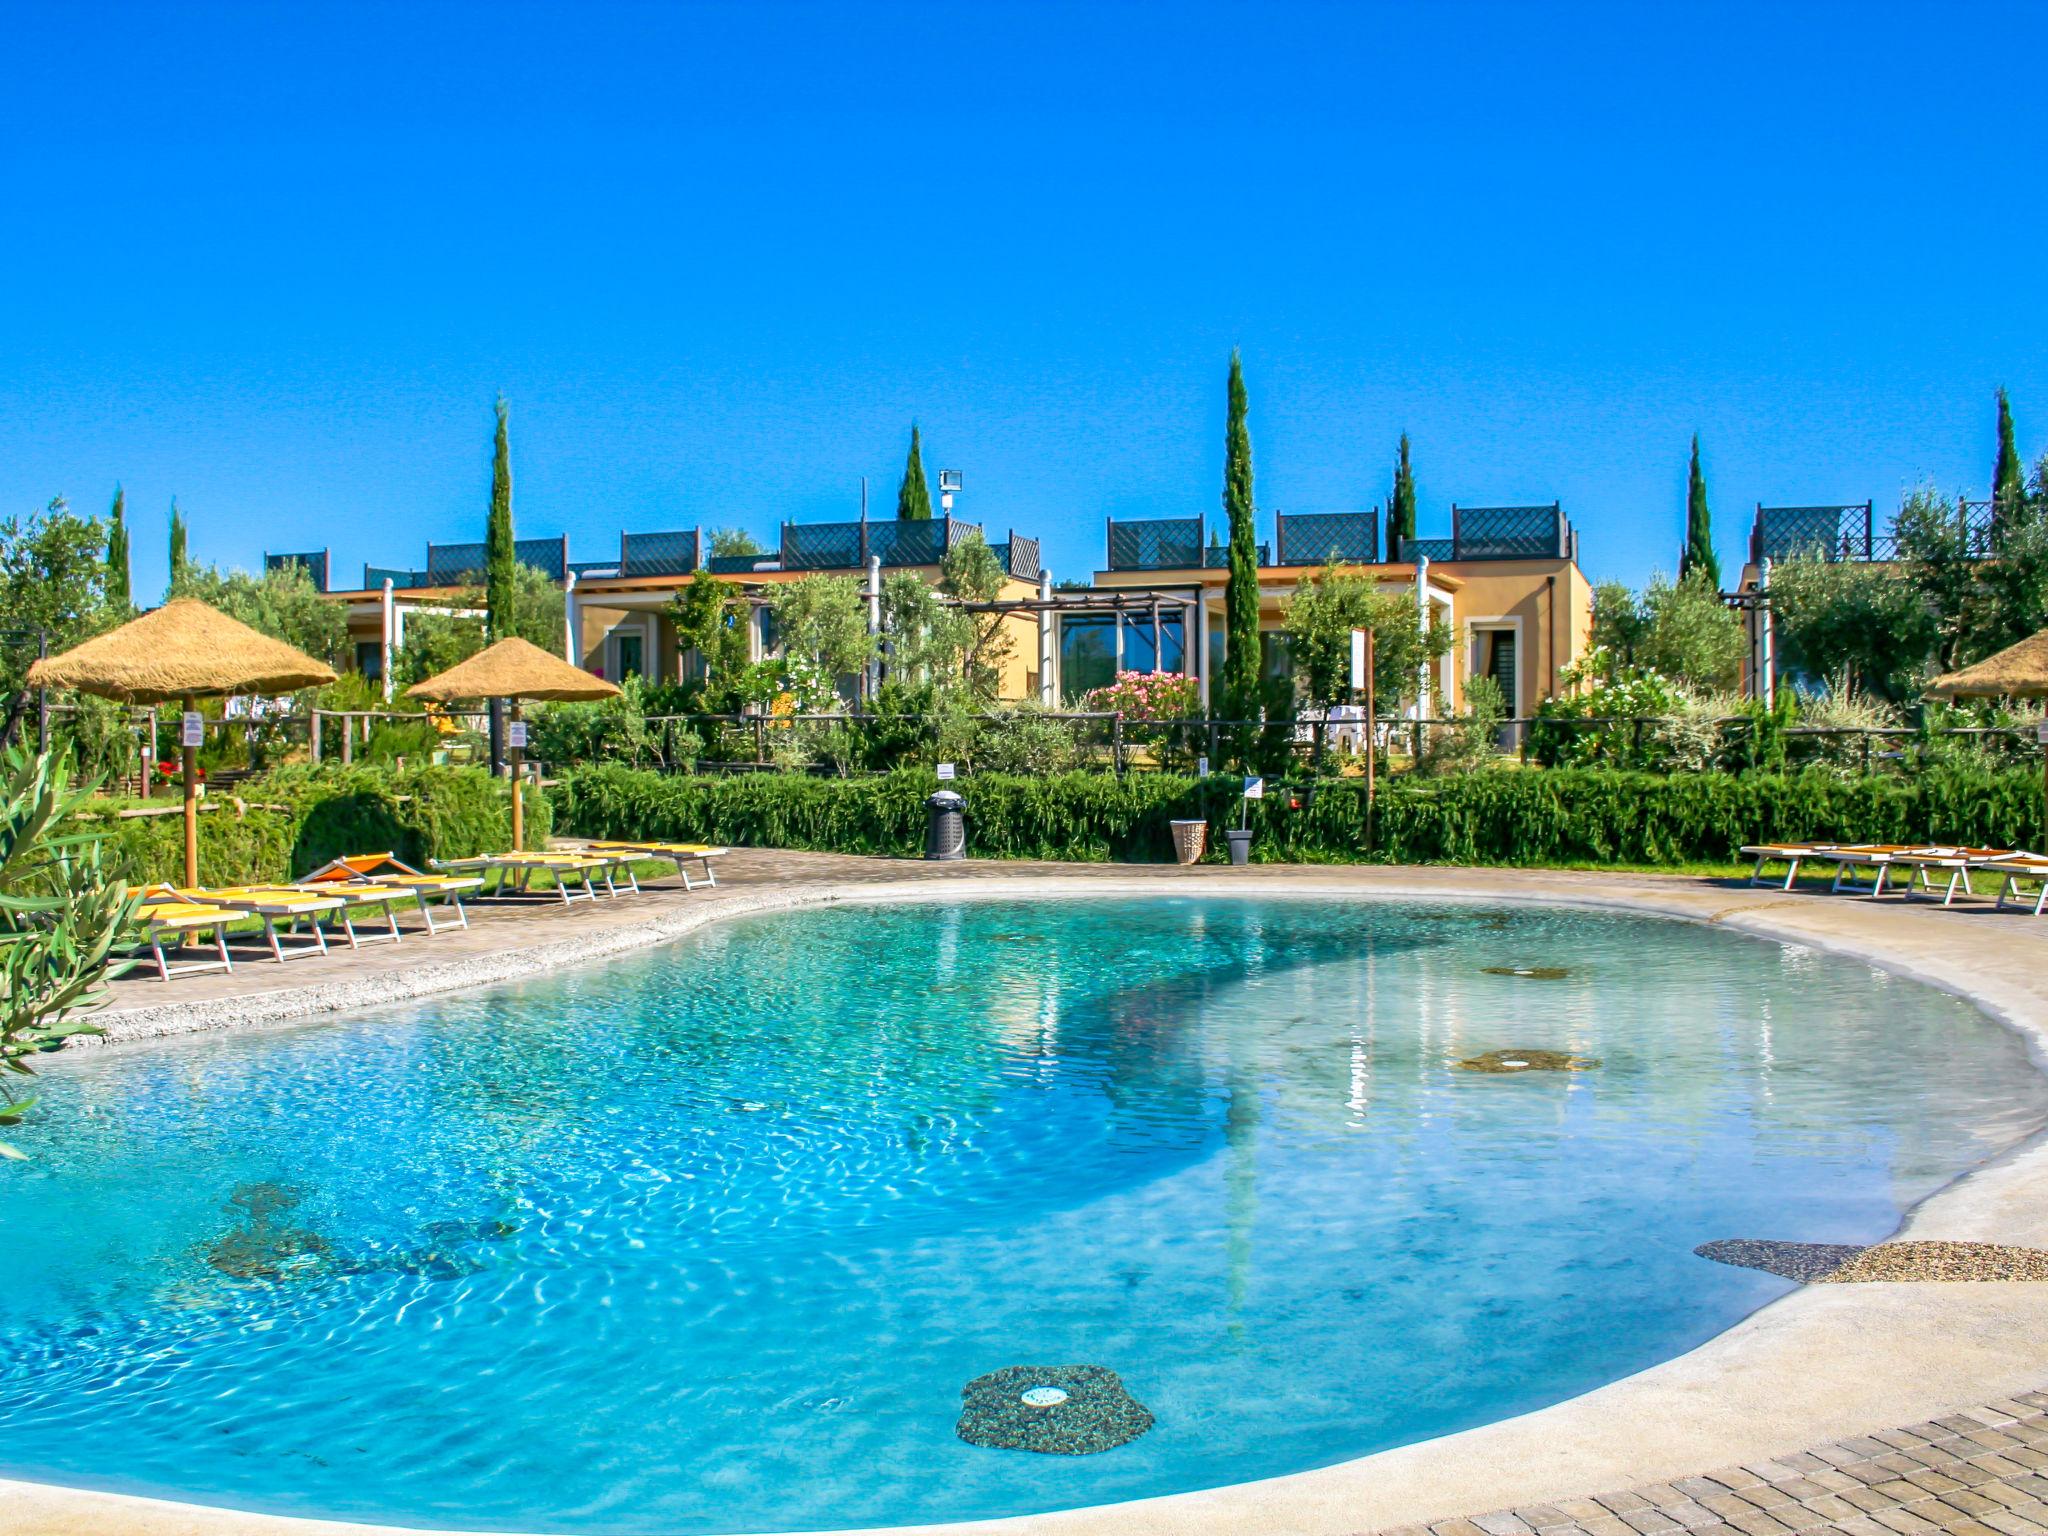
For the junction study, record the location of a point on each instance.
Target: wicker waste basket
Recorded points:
(1190, 839)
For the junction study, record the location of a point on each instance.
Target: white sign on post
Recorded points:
(1358, 658)
(1201, 767)
(1255, 789)
(945, 772)
(2041, 733)
(192, 729)
(515, 734)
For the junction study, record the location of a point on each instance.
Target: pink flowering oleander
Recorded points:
(1147, 695)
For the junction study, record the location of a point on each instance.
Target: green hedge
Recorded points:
(419, 814)
(1554, 816)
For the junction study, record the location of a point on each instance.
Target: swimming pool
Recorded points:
(711, 1238)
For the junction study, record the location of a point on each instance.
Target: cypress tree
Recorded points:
(1401, 503)
(180, 562)
(1241, 595)
(501, 555)
(1698, 553)
(913, 500)
(120, 590)
(2008, 490)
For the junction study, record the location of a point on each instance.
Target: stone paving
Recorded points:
(1981, 1473)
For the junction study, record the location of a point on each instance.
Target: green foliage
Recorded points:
(614, 730)
(1682, 631)
(1697, 558)
(1473, 743)
(419, 813)
(119, 587)
(821, 626)
(1241, 595)
(1571, 816)
(97, 734)
(711, 617)
(924, 640)
(53, 577)
(181, 557)
(501, 553)
(60, 916)
(1326, 607)
(913, 498)
(971, 573)
(282, 603)
(1864, 624)
(435, 642)
(1400, 503)
(734, 543)
(2008, 490)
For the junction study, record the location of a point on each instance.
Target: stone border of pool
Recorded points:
(1822, 1365)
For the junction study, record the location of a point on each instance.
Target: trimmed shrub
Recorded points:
(1559, 816)
(419, 814)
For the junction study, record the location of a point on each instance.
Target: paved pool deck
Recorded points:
(1894, 1407)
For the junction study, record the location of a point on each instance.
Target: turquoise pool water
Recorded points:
(710, 1238)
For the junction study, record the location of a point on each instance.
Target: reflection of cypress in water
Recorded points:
(1240, 1194)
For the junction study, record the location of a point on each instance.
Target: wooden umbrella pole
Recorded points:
(188, 757)
(515, 753)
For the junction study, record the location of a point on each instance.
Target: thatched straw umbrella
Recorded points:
(513, 669)
(188, 651)
(2017, 672)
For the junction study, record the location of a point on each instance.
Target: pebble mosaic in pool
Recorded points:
(711, 1238)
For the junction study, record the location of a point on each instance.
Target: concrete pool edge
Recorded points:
(1816, 1366)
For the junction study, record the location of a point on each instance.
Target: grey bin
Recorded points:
(945, 827)
(1240, 843)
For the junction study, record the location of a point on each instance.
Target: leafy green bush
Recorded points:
(420, 814)
(1563, 816)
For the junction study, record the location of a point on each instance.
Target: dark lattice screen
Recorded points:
(907, 543)
(1310, 538)
(1509, 533)
(1217, 556)
(1830, 533)
(1020, 557)
(658, 554)
(730, 565)
(313, 563)
(466, 562)
(1428, 549)
(374, 577)
(1160, 544)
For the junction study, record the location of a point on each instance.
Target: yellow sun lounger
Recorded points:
(389, 872)
(368, 900)
(515, 872)
(268, 904)
(160, 915)
(682, 855)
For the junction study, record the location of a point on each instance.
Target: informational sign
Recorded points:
(945, 772)
(515, 734)
(1201, 767)
(2041, 733)
(1358, 658)
(192, 729)
(1255, 789)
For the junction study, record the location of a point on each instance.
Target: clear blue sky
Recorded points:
(276, 260)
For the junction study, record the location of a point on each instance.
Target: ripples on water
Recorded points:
(710, 1237)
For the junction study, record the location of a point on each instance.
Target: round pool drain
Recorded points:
(1044, 1397)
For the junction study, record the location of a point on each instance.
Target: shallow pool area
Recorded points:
(711, 1237)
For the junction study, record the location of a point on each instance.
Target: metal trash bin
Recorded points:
(945, 827)
(1240, 845)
